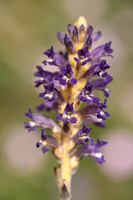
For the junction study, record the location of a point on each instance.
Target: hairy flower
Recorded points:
(67, 115)
(66, 76)
(71, 92)
(86, 94)
(83, 135)
(46, 142)
(92, 149)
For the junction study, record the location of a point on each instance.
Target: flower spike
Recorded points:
(82, 70)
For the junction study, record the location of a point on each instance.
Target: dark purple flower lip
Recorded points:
(46, 142)
(82, 136)
(51, 94)
(92, 149)
(83, 56)
(67, 115)
(87, 95)
(31, 126)
(44, 76)
(66, 76)
(54, 58)
(29, 114)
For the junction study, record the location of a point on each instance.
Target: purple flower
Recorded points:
(92, 149)
(31, 126)
(91, 71)
(46, 142)
(103, 50)
(88, 36)
(61, 36)
(44, 76)
(48, 105)
(101, 113)
(89, 109)
(65, 39)
(89, 31)
(86, 94)
(97, 69)
(94, 114)
(29, 114)
(69, 44)
(70, 29)
(39, 120)
(51, 94)
(66, 76)
(54, 58)
(101, 83)
(83, 135)
(67, 115)
(95, 36)
(83, 56)
(88, 42)
(75, 34)
(102, 68)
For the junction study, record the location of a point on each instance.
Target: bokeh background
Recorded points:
(27, 29)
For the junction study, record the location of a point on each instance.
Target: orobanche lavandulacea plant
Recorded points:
(81, 70)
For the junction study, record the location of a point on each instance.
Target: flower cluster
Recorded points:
(71, 91)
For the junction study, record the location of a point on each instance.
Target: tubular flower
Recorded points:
(81, 71)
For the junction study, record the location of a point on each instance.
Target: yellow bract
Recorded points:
(81, 21)
(78, 46)
(83, 69)
(72, 62)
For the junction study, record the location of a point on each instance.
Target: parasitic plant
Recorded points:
(70, 90)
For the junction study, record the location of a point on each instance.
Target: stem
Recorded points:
(63, 172)
(65, 195)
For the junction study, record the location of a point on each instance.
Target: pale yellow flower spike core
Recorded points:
(81, 21)
(69, 163)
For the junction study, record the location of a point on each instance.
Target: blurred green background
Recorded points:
(27, 29)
